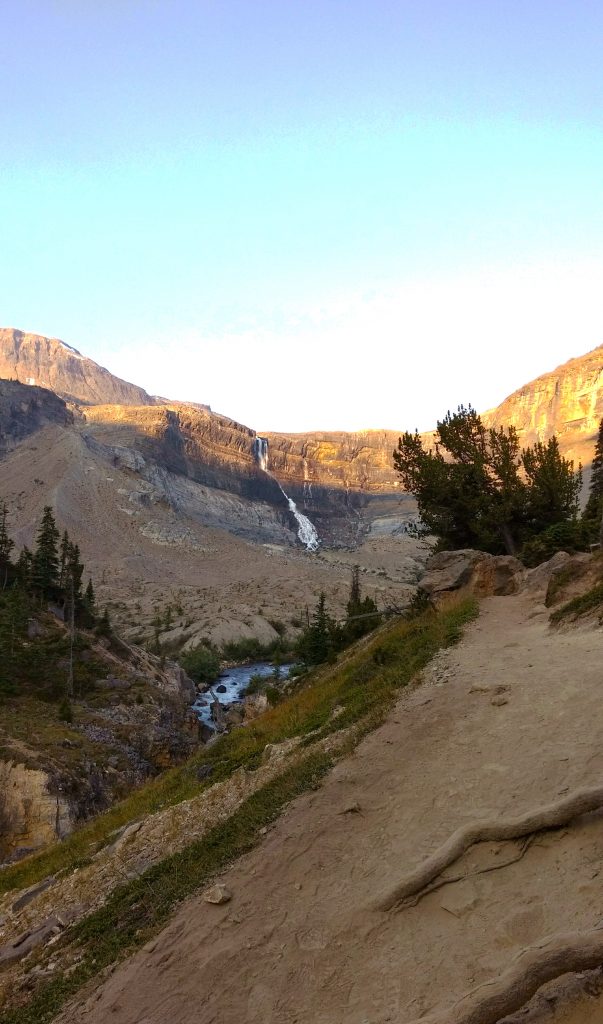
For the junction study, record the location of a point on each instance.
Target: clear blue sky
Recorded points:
(308, 213)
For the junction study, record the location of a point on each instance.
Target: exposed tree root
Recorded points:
(411, 901)
(553, 957)
(583, 801)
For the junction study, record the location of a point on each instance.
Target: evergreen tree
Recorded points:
(74, 571)
(6, 545)
(63, 559)
(318, 641)
(362, 614)
(23, 568)
(475, 488)
(552, 491)
(45, 563)
(354, 598)
(89, 596)
(594, 506)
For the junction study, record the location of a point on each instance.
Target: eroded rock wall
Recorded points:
(30, 815)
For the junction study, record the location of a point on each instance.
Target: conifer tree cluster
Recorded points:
(53, 571)
(50, 575)
(478, 488)
(324, 636)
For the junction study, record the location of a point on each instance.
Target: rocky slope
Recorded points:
(50, 363)
(23, 411)
(330, 470)
(132, 720)
(306, 929)
(567, 402)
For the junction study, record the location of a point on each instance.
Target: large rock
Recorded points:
(475, 571)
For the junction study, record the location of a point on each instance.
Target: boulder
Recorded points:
(217, 894)
(539, 578)
(477, 572)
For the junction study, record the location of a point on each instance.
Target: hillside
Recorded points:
(329, 471)
(567, 402)
(303, 937)
(309, 924)
(50, 363)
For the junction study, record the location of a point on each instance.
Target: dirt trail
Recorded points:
(300, 942)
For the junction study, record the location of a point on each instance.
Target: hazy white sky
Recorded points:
(330, 214)
(397, 357)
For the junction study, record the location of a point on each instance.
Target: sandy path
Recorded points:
(299, 943)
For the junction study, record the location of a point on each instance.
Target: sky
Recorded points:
(309, 214)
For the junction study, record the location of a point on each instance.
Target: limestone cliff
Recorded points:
(329, 475)
(567, 402)
(359, 461)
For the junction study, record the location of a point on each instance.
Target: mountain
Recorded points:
(567, 401)
(50, 363)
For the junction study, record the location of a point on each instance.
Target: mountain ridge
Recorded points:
(318, 468)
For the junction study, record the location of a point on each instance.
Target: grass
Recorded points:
(580, 605)
(363, 681)
(134, 912)
(362, 687)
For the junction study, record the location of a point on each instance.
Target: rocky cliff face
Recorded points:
(25, 410)
(30, 815)
(346, 461)
(567, 402)
(50, 363)
(329, 475)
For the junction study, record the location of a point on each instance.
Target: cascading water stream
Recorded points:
(306, 531)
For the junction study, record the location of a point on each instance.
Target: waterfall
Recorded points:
(260, 450)
(306, 531)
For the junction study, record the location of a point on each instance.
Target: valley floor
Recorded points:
(505, 722)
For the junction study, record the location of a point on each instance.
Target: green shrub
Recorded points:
(575, 535)
(256, 684)
(249, 648)
(202, 663)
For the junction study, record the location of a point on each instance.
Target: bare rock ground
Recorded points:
(507, 721)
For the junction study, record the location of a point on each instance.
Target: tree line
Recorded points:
(52, 572)
(32, 654)
(477, 487)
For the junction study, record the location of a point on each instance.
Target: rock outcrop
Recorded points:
(25, 410)
(30, 815)
(475, 571)
(567, 402)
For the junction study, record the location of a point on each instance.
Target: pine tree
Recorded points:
(362, 614)
(594, 506)
(317, 642)
(476, 488)
(45, 564)
(23, 567)
(6, 545)
(354, 598)
(64, 558)
(89, 596)
(74, 570)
